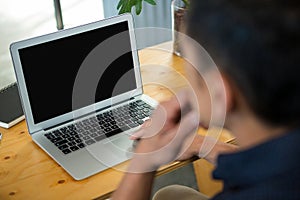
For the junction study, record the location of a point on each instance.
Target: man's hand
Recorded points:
(193, 146)
(161, 139)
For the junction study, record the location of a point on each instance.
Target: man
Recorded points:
(256, 46)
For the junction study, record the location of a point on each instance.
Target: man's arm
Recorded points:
(194, 149)
(135, 186)
(160, 142)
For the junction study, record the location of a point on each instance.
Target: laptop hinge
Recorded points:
(51, 127)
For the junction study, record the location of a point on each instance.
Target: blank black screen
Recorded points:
(50, 70)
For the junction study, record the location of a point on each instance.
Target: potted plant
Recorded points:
(179, 8)
(125, 6)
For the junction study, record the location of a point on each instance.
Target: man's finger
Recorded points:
(169, 113)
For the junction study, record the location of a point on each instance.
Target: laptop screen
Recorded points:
(51, 69)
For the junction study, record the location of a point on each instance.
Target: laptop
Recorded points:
(82, 95)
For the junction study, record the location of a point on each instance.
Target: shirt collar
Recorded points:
(261, 162)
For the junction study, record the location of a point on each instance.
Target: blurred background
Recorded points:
(21, 19)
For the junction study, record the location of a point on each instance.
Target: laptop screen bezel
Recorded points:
(14, 48)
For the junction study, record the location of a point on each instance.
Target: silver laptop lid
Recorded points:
(76, 71)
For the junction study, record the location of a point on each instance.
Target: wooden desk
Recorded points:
(27, 172)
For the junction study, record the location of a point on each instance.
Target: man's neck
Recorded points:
(250, 131)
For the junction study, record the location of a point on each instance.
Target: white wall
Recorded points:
(152, 16)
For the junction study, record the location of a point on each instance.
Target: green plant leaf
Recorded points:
(152, 2)
(121, 2)
(126, 5)
(138, 7)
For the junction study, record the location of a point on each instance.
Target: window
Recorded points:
(23, 19)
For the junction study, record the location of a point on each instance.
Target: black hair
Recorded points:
(257, 44)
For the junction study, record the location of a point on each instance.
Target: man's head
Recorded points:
(256, 46)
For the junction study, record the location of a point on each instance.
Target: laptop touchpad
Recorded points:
(112, 152)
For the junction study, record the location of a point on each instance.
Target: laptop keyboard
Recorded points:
(94, 129)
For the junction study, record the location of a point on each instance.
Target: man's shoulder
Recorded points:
(268, 171)
(283, 186)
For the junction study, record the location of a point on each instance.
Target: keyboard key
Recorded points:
(73, 133)
(93, 130)
(114, 132)
(141, 117)
(99, 130)
(102, 122)
(128, 121)
(81, 130)
(140, 102)
(114, 127)
(94, 120)
(86, 137)
(71, 139)
(62, 147)
(49, 136)
(126, 117)
(78, 125)
(146, 106)
(107, 129)
(66, 136)
(133, 115)
(120, 124)
(61, 142)
(124, 128)
(94, 135)
(108, 120)
(63, 130)
(140, 108)
(140, 112)
(113, 122)
(146, 110)
(86, 121)
(57, 139)
(87, 127)
(71, 127)
(81, 145)
(74, 148)
(57, 133)
(100, 137)
(78, 141)
(140, 121)
(133, 125)
(66, 151)
(100, 118)
(72, 143)
(106, 114)
(121, 115)
(89, 142)
(95, 125)
(85, 133)
(106, 125)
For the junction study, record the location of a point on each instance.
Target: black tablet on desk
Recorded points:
(11, 111)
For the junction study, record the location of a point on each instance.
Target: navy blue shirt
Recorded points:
(269, 171)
